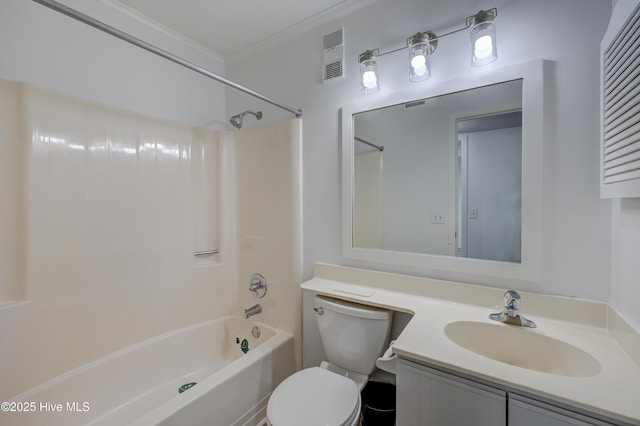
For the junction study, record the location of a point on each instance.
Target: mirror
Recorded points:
(448, 178)
(404, 156)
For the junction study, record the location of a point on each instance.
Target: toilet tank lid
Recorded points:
(353, 309)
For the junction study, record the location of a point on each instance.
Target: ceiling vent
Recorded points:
(333, 56)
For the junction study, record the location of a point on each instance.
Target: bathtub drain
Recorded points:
(186, 386)
(255, 331)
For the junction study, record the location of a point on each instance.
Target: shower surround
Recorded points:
(99, 219)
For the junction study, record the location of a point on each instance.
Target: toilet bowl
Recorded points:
(353, 336)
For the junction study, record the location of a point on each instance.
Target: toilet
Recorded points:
(354, 336)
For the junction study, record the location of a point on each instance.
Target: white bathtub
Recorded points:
(139, 384)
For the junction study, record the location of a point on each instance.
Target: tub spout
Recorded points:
(255, 309)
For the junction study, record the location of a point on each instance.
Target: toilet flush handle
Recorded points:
(319, 310)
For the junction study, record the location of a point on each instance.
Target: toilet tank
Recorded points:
(353, 335)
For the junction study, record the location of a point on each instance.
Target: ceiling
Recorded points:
(229, 27)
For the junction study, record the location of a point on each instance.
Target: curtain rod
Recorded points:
(379, 148)
(72, 13)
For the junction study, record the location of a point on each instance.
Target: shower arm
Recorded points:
(72, 13)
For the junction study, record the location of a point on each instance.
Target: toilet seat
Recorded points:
(314, 397)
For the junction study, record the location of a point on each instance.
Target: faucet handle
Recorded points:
(509, 314)
(511, 301)
(258, 285)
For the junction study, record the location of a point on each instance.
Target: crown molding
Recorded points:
(345, 8)
(142, 19)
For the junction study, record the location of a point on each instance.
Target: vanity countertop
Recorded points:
(613, 392)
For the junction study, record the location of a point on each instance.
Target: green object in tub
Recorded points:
(186, 386)
(244, 345)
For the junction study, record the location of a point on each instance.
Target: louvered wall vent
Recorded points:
(621, 108)
(333, 56)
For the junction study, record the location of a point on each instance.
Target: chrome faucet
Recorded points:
(255, 309)
(510, 313)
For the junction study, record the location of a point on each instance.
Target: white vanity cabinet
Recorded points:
(429, 397)
(528, 412)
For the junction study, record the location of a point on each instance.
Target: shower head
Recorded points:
(236, 120)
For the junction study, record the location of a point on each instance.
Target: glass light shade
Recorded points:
(369, 76)
(421, 46)
(419, 61)
(483, 43)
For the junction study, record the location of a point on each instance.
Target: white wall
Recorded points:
(625, 266)
(416, 172)
(577, 223)
(43, 47)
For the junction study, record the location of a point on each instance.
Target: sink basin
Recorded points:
(523, 348)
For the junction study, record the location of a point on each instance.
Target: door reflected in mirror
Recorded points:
(441, 176)
(489, 187)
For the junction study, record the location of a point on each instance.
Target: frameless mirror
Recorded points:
(449, 180)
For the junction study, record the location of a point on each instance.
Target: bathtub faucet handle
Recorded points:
(249, 312)
(258, 285)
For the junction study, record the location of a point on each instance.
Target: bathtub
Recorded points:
(235, 374)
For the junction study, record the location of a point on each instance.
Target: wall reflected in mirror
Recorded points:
(441, 176)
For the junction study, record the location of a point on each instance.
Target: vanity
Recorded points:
(453, 399)
(456, 366)
(447, 181)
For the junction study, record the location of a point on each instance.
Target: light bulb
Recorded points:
(369, 79)
(420, 71)
(418, 61)
(483, 46)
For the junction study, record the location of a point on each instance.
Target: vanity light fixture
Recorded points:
(422, 45)
(369, 71)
